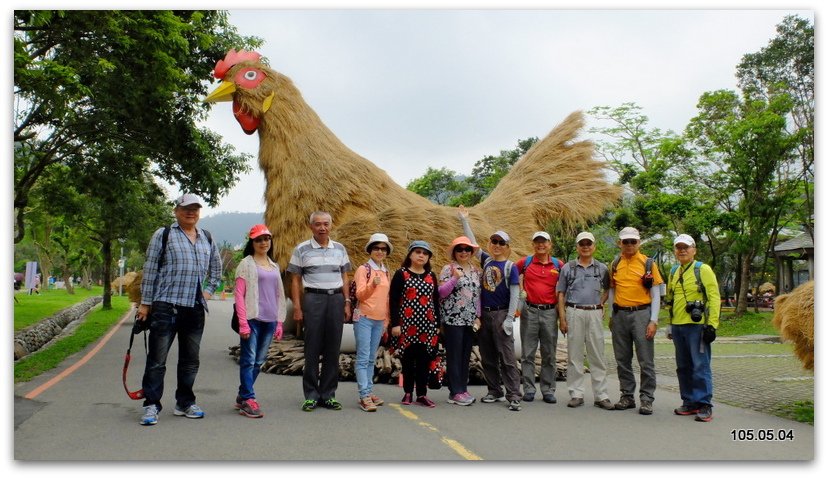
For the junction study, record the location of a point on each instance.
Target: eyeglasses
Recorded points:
(380, 249)
(463, 249)
(628, 242)
(262, 239)
(498, 242)
(682, 248)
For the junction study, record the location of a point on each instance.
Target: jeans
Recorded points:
(252, 354)
(167, 321)
(538, 327)
(458, 343)
(367, 334)
(693, 365)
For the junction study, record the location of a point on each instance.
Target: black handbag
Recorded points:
(234, 322)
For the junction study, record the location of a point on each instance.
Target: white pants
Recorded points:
(585, 331)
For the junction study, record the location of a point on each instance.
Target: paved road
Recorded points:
(87, 416)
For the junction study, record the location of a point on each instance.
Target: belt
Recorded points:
(497, 307)
(631, 309)
(311, 290)
(585, 307)
(541, 306)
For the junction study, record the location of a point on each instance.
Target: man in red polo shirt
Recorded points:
(539, 317)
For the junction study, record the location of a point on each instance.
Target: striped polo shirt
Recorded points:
(320, 267)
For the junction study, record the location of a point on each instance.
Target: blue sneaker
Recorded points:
(193, 411)
(150, 415)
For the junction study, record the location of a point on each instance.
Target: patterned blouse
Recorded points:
(460, 303)
(413, 300)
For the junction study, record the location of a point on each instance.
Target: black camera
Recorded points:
(140, 325)
(695, 309)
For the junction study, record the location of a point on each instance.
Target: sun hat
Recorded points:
(460, 241)
(258, 230)
(542, 234)
(188, 199)
(585, 235)
(421, 245)
(378, 237)
(629, 233)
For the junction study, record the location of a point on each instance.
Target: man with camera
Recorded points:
(693, 295)
(636, 300)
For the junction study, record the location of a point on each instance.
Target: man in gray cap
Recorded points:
(498, 299)
(180, 258)
(635, 298)
(583, 287)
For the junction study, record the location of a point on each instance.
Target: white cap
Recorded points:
(188, 199)
(629, 233)
(542, 234)
(502, 235)
(684, 239)
(378, 237)
(585, 235)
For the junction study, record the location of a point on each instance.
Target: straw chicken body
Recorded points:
(307, 168)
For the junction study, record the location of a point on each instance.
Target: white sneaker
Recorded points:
(150, 415)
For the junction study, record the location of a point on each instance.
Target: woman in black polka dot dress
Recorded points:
(415, 319)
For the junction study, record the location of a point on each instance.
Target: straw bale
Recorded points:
(767, 287)
(307, 168)
(793, 316)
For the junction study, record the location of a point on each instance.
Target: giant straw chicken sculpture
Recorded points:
(307, 168)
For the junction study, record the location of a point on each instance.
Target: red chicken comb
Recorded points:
(233, 58)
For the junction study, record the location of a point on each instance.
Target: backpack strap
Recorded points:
(165, 237)
(526, 264)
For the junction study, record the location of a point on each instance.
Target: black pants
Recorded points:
(415, 362)
(324, 315)
(458, 343)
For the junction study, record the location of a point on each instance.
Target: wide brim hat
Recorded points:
(378, 237)
(458, 241)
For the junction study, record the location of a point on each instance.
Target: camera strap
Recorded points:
(138, 394)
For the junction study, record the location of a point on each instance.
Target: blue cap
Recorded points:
(420, 245)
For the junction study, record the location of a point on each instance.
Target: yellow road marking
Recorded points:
(464, 452)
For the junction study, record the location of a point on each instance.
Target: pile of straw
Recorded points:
(793, 316)
(307, 168)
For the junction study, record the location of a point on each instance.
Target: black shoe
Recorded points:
(705, 413)
(332, 404)
(550, 398)
(528, 397)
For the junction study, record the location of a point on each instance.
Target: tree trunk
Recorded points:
(70, 287)
(744, 273)
(107, 275)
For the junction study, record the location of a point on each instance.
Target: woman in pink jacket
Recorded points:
(260, 304)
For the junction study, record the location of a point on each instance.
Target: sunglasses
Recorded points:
(262, 239)
(498, 242)
(463, 249)
(584, 243)
(628, 242)
(380, 249)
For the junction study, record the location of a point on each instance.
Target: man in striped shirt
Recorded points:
(319, 268)
(174, 297)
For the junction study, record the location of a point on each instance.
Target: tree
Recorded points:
(124, 85)
(786, 67)
(437, 185)
(743, 143)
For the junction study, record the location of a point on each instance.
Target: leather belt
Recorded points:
(311, 290)
(631, 309)
(499, 307)
(585, 307)
(541, 306)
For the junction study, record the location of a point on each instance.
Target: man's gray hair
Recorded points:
(319, 213)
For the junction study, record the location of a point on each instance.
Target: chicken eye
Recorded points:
(250, 75)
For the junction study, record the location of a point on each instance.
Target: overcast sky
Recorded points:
(409, 89)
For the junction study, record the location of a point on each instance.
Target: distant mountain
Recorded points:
(231, 227)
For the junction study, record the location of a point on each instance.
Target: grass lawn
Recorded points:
(92, 328)
(31, 309)
(729, 326)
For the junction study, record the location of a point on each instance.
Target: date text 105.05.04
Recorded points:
(761, 434)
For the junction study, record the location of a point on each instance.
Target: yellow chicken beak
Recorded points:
(224, 92)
